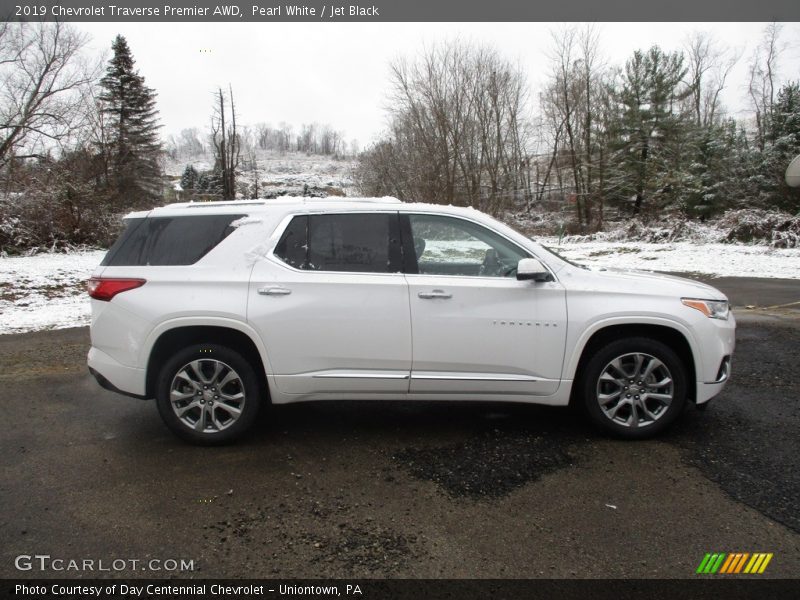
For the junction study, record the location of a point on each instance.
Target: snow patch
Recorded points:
(720, 260)
(257, 253)
(246, 221)
(46, 291)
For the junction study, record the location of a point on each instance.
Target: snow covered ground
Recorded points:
(720, 260)
(46, 291)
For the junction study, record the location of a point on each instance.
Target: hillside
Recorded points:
(279, 173)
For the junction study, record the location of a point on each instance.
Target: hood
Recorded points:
(642, 282)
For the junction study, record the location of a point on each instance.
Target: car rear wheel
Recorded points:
(208, 394)
(634, 388)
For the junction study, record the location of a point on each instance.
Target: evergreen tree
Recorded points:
(784, 144)
(133, 149)
(189, 178)
(713, 181)
(209, 182)
(651, 127)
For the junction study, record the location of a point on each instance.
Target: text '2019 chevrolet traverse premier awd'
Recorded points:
(216, 309)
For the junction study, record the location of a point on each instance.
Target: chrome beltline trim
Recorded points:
(521, 378)
(359, 376)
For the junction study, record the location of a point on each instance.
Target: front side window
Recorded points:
(356, 243)
(452, 246)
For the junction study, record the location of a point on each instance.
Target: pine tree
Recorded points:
(712, 181)
(209, 182)
(189, 178)
(784, 144)
(651, 128)
(133, 149)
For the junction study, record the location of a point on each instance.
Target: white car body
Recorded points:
(343, 335)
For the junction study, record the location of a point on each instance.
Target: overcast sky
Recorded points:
(338, 73)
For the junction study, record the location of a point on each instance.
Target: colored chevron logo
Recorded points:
(734, 563)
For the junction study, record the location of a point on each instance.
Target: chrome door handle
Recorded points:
(435, 294)
(274, 291)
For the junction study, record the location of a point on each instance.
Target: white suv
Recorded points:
(217, 309)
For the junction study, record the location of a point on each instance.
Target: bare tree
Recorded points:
(42, 74)
(262, 135)
(190, 142)
(763, 74)
(565, 94)
(285, 133)
(569, 103)
(588, 67)
(458, 130)
(226, 141)
(252, 167)
(708, 68)
(97, 131)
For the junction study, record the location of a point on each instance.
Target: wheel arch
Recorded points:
(665, 333)
(181, 333)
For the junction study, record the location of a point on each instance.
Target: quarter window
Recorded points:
(358, 243)
(293, 247)
(168, 241)
(451, 246)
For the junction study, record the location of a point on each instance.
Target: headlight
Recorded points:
(713, 309)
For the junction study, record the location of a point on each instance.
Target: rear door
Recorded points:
(477, 330)
(331, 305)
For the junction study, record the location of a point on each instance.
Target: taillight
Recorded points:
(104, 289)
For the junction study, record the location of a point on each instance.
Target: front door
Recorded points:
(476, 329)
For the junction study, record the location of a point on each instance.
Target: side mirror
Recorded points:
(531, 269)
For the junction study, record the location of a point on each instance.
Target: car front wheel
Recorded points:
(208, 394)
(634, 388)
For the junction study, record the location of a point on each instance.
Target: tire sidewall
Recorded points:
(606, 354)
(235, 361)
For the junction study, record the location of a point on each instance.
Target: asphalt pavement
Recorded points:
(377, 489)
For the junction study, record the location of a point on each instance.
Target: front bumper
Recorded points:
(717, 359)
(706, 391)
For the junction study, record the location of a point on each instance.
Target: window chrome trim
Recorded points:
(528, 253)
(273, 240)
(277, 233)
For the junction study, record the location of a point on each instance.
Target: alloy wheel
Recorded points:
(635, 390)
(207, 395)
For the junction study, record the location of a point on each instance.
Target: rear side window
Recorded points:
(168, 241)
(358, 243)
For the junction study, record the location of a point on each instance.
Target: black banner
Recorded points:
(331, 11)
(727, 588)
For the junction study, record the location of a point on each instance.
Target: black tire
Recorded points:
(646, 402)
(214, 423)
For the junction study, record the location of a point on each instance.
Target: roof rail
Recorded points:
(284, 199)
